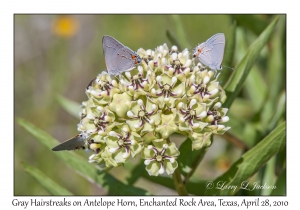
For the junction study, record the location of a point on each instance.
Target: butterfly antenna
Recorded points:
(229, 68)
(217, 75)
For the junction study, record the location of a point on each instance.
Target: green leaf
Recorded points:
(251, 161)
(173, 40)
(256, 89)
(280, 184)
(279, 112)
(241, 44)
(71, 107)
(269, 176)
(252, 22)
(235, 82)
(276, 69)
(136, 173)
(243, 130)
(52, 187)
(180, 31)
(189, 160)
(275, 78)
(228, 56)
(242, 110)
(81, 165)
(281, 161)
(195, 188)
(272, 112)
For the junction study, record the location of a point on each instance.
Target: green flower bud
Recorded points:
(120, 104)
(109, 159)
(167, 125)
(200, 140)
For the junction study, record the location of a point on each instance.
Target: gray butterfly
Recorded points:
(118, 58)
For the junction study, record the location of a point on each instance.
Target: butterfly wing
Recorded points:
(77, 142)
(118, 58)
(127, 59)
(218, 42)
(204, 54)
(212, 51)
(110, 48)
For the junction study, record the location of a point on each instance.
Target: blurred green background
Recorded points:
(61, 54)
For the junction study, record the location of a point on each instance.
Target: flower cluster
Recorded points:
(137, 111)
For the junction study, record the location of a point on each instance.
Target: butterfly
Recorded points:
(79, 141)
(211, 52)
(118, 58)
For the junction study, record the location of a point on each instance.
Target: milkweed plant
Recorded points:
(137, 111)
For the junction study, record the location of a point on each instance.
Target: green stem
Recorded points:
(180, 187)
(173, 40)
(195, 164)
(235, 141)
(180, 31)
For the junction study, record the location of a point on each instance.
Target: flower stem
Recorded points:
(196, 162)
(180, 187)
(235, 141)
(180, 31)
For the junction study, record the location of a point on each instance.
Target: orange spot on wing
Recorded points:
(199, 50)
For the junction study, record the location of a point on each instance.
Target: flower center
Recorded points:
(137, 81)
(190, 115)
(201, 89)
(96, 121)
(177, 62)
(100, 122)
(121, 142)
(166, 90)
(177, 66)
(141, 113)
(105, 86)
(192, 112)
(216, 116)
(167, 87)
(159, 158)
